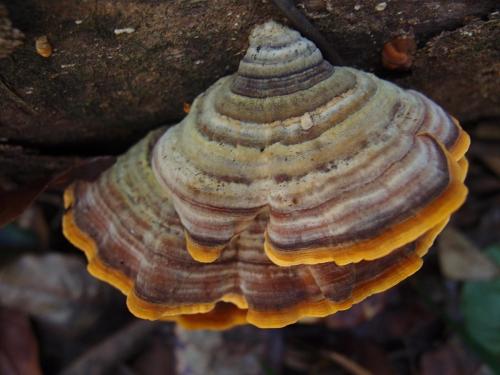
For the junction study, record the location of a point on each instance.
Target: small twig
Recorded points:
(116, 348)
(301, 23)
(347, 364)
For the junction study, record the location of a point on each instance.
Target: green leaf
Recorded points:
(481, 309)
(494, 253)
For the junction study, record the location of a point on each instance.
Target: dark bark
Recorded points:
(10, 38)
(100, 92)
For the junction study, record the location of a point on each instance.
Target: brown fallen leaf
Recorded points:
(55, 288)
(451, 358)
(460, 259)
(359, 313)
(14, 202)
(18, 346)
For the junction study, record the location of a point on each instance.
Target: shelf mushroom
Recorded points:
(291, 189)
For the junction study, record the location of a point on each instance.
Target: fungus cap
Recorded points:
(292, 188)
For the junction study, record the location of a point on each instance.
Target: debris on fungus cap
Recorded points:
(291, 189)
(398, 53)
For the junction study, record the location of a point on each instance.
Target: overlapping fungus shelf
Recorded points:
(291, 189)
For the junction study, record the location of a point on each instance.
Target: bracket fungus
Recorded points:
(291, 189)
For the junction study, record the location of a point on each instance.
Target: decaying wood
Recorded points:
(119, 69)
(10, 38)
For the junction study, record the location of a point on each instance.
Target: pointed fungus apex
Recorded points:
(241, 214)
